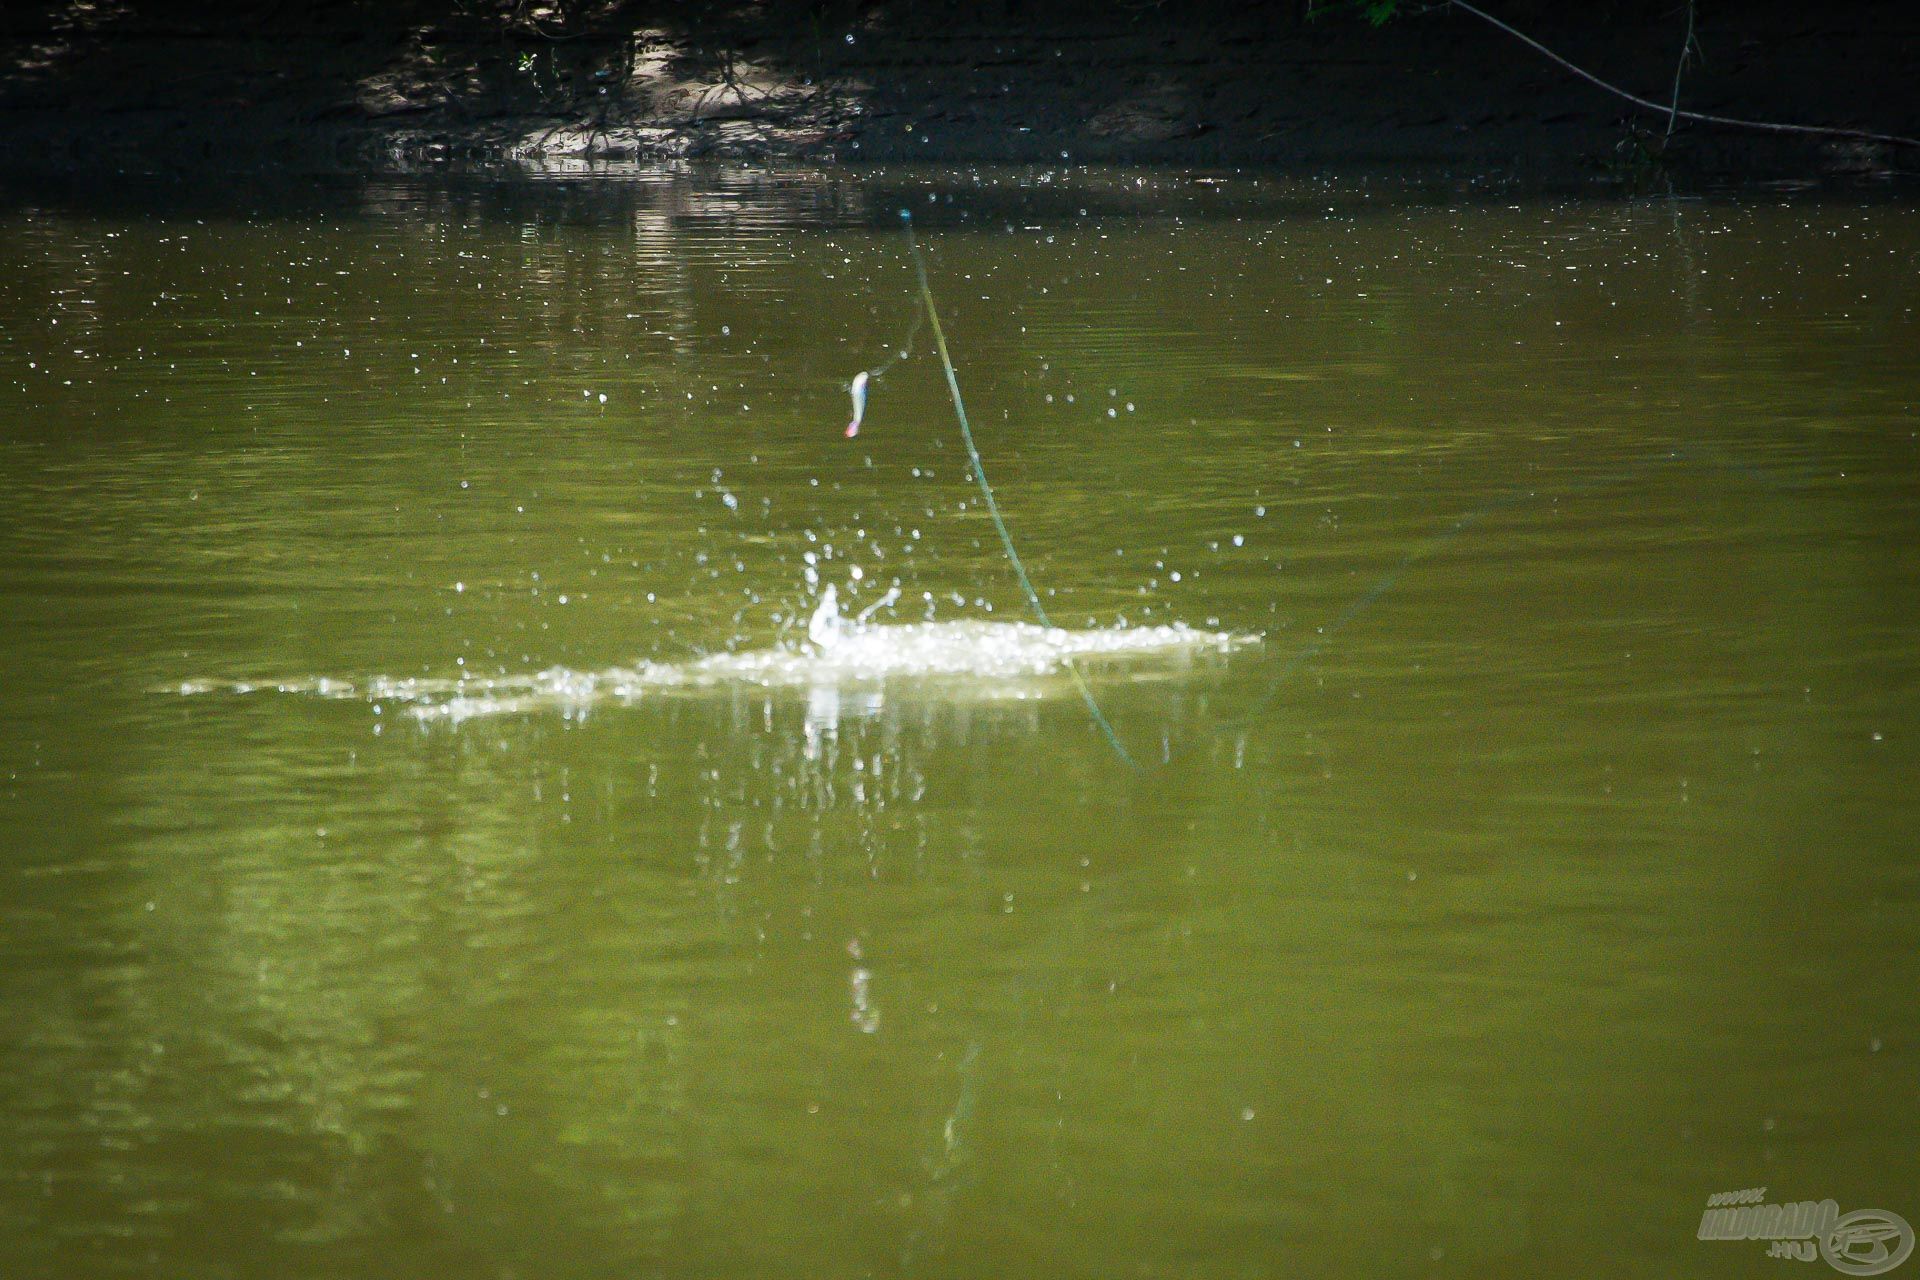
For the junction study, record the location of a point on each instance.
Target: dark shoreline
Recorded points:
(346, 88)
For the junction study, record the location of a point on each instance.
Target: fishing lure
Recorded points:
(859, 390)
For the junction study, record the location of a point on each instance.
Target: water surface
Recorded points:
(430, 844)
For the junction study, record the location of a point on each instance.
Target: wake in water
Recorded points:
(971, 656)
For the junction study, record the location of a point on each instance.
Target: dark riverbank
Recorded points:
(349, 86)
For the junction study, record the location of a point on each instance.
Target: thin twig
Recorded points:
(1686, 51)
(1702, 116)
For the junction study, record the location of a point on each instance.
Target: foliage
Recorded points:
(1377, 12)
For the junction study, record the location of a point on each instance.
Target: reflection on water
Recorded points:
(1544, 868)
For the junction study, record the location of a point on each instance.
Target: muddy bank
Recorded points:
(348, 86)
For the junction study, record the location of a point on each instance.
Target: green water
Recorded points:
(1545, 866)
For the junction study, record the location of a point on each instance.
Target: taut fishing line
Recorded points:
(859, 391)
(1324, 635)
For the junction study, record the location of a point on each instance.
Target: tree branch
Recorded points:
(1732, 122)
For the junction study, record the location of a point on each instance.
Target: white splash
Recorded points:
(971, 656)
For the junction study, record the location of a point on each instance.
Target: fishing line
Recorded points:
(1697, 453)
(905, 350)
(1327, 632)
(858, 387)
(1360, 604)
(1386, 582)
(1434, 544)
(986, 492)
